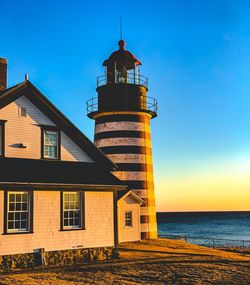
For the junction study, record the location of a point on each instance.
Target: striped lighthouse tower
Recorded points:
(122, 113)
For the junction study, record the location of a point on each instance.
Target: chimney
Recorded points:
(3, 74)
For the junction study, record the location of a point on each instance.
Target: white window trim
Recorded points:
(131, 212)
(80, 210)
(57, 144)
(8, 211)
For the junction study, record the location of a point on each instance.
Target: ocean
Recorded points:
(226, 228)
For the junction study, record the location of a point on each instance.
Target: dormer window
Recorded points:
(2, 137)
(51, 143)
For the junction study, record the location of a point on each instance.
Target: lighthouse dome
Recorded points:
(122, 57)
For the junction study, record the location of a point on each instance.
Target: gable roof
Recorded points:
(57, 174)
(125, 193)
(28, 90)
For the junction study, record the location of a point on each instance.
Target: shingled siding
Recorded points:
(27, 130)
(99, 228)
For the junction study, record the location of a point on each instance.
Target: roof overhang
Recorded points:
(56, 174)
(58, 187)
(133, 195)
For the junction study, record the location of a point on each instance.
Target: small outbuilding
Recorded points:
(129, 225)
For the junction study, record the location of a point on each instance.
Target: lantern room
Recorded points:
(122, 66)
(122, 87)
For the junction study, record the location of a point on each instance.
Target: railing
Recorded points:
(131, 78)
(92, 105)
(221, 243)
(101, 80)
(148, 104)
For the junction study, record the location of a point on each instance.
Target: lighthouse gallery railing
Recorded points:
(148, 104)
(130, 77)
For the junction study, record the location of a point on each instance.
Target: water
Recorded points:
(202, 225)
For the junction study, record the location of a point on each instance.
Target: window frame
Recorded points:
(130, 220)
(23, 112)
(82, 211)
(2, 126)
(29, 230)
(50, 129)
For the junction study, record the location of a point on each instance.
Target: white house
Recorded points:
(58, 196)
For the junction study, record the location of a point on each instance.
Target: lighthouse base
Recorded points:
(149, 235)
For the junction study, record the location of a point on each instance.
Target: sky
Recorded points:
(196, 55)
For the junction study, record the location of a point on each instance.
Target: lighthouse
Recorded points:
(122, 113)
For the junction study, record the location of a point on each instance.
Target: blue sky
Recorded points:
(196, 55)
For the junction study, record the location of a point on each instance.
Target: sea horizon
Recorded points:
(202, 226)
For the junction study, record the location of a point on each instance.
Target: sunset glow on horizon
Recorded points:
(222, 188)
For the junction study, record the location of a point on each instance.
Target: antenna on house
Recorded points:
(26, 77)
(120, 27)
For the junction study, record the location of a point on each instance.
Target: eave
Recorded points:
(59, 186)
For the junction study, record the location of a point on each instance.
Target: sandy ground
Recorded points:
(149, 262)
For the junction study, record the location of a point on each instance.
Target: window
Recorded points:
(23, 112)
(2, 139)
(50, 143)
(72, 214)
(122, 75)
(18, 212)
(128, 219)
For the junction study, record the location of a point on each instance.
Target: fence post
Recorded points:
(243, 245)
(213, 243)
